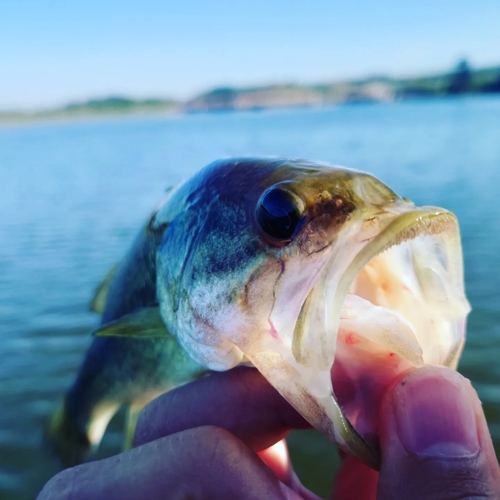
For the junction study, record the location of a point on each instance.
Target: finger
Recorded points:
(202, 463)
(435, 441)
(240, 401)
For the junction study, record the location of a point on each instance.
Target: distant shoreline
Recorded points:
(56, 119)
(462, 81)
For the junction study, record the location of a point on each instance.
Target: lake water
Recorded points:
(73, 195)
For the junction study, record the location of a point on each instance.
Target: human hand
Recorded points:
(435, 444)
(200, 441)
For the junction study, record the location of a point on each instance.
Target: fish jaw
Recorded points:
(388, 297)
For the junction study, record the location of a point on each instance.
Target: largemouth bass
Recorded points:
(321, 277)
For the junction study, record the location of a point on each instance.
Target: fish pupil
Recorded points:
(278, 214)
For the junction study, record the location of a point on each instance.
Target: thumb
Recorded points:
(434, 440)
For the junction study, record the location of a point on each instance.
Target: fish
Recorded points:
(319, 276)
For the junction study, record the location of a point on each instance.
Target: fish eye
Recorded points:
(278, 213)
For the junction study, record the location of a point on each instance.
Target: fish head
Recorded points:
(321, 277)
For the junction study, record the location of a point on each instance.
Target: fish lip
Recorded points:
(411, 223)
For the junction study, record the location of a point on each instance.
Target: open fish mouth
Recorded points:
(389, 298)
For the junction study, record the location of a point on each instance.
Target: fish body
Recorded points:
(313, 273)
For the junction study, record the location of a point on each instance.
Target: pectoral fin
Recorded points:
(144, 323)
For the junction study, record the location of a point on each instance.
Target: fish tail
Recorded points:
(66, 438)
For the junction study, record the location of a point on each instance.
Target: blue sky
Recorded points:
(56, 51)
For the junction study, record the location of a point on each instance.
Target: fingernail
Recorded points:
(435, 414)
